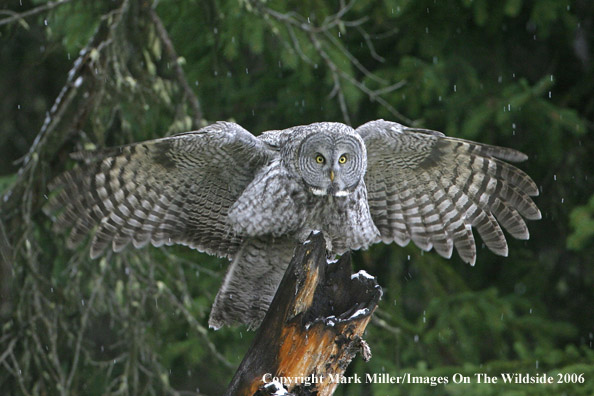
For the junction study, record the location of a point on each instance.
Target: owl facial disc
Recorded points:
(332, 162)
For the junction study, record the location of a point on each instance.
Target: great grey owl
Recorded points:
(223, 191)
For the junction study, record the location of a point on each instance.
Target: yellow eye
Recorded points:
(342, 159)
(320, 159)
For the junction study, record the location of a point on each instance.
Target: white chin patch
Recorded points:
(342, 193)
(317, 191)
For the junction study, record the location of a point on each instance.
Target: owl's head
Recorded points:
(332, 159)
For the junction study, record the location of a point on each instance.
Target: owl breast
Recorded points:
(345, 221)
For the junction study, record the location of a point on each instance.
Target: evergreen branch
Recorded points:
(198, 119)
(14, 16)
(337, 90)
(320, 36)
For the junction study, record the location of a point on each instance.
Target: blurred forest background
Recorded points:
(78, 74)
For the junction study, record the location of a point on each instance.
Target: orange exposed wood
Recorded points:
(313, 329)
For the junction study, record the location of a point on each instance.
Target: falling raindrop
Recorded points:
(45, 22)
(416, 338)
(455, 88)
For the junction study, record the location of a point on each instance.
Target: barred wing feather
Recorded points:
(432, 189)
(172, 190)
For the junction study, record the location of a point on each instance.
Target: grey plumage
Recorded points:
(252, 199)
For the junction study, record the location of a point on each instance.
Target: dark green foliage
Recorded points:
(516, 73)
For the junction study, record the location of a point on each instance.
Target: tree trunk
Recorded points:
(313, 328)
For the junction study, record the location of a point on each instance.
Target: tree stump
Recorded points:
(313, 328)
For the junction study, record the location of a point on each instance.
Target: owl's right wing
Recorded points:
(165, 191)
(432, 189)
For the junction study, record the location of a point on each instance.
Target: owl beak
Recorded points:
(331, 175)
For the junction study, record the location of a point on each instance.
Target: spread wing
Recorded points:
(432, 189)
(172, 190)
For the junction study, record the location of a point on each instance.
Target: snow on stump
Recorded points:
(313, 329)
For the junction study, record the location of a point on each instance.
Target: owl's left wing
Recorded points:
(432, 189)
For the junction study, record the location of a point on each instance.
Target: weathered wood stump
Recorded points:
(313, 328)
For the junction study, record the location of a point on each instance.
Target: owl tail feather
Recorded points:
(251, 282)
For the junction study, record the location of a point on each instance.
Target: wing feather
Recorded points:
(173, 190)
(432, 189)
